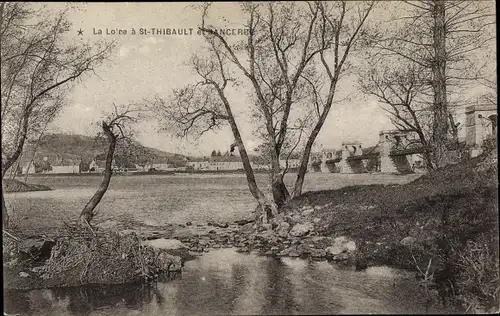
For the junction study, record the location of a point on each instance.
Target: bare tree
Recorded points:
(445, 40)
(204, 106)
(38, 67)
(285, 43)
(402, 92)
(115, 128)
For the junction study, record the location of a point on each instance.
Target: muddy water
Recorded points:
(160, 199)
(224, 282)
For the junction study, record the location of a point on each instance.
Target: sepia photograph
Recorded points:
(249, 158)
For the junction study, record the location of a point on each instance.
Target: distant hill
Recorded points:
(63, 147)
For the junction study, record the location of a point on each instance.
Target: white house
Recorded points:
(64, 166)
(225, 163)
(198, 163)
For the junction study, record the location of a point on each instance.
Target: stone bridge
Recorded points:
(394, 153)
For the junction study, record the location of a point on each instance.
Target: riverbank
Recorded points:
(82, 257)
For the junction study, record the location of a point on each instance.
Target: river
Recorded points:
(160, 199)
(224, 282)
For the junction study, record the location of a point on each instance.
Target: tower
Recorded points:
(480, 123)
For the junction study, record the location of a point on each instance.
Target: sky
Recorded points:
(145, 65)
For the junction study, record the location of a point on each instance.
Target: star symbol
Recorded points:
(80, 32)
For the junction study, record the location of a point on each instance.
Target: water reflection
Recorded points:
(226, 282)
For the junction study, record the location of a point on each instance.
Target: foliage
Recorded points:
(451, 214)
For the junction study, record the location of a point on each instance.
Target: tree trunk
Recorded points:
(440, 104)
(19, 148)
(267, 208)
(88, 210)
(299, 183)
(279, 189)
(301, 174)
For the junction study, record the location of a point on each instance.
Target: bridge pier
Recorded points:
(388, 141)
(351, 149)
(386, 163)
(325, 156)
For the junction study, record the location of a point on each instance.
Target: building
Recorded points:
(61, 165)
(225, 163)
(198, 163)
(480, 124)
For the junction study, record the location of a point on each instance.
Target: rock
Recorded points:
(203, 242)
(340, 245)
(39, 249)
(299, 230)
(189, 224)
(267, 226)
(23, 274)
(283, 229)
(247, 228)
(293, 253)
(221, 225)
(242, 222)
(307, 212)
(334, 250)
(166, 244)
(341, 257)
(317, 239)
(340, 239)
(275, 249)
(183, 234)
(296, 241)
(284, 252)
(303, 249)
(350, 246)
(216, 246)
(316, 220)
(408, 241)
(168, 262)
(318, 253)
(243, 249)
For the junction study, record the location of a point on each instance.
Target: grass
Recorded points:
(452, 214)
